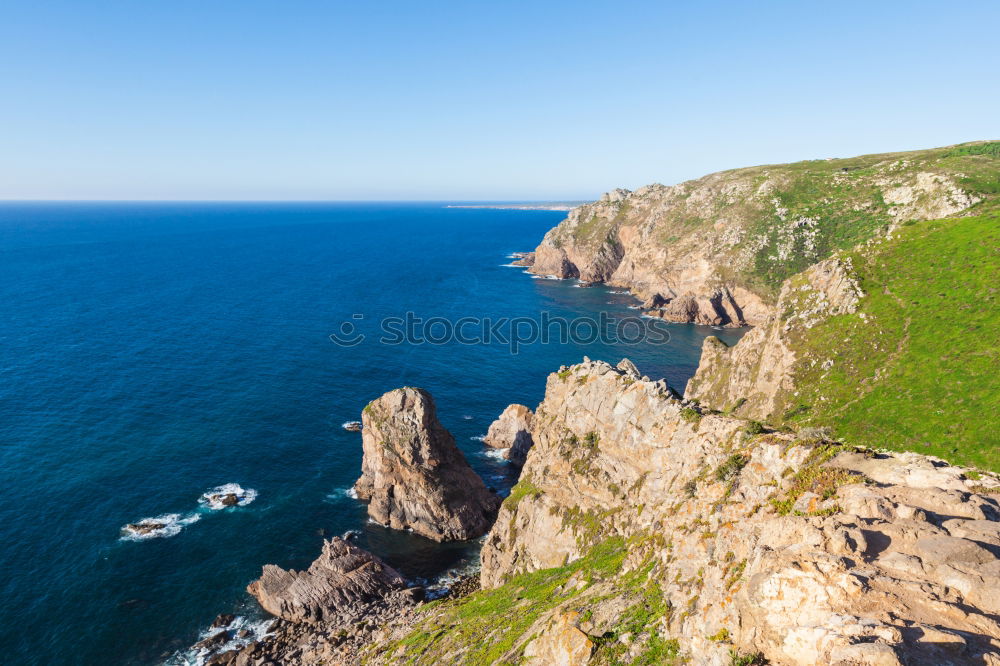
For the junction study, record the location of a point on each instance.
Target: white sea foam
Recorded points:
(341, 493)
(168, 525)
(478, 438)
(441, 585)
(619, 291)
(214, 498)
(352, 426)
(495, 454)
(634, 307)
(467, 417)
(257, 629)
(511, 266)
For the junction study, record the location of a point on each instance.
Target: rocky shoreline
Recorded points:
(787, 545)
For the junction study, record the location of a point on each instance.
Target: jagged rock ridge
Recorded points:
(339, 587)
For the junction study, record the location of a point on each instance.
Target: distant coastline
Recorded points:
(562, 205)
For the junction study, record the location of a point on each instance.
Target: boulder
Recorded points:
(413, 475)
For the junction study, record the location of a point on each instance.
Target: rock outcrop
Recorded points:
(341, 586)
(512, 432)
(755, 376)
(715, 250)
(797, 549)
(413, 475)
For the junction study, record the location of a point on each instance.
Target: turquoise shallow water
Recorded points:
(150, 352)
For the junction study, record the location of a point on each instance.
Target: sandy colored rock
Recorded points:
(560, 644)
(512, 431)
(696, 251)
(413, 475)
(901, 570)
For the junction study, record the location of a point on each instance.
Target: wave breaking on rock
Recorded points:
(158, 527)
(226, 496)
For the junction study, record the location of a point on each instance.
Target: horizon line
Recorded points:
(469, 201)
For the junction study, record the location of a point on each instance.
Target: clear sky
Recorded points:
(195, 99)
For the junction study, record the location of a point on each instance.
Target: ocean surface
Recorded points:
(152, 352)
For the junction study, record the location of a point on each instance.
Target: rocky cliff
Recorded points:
(643, 531)
(413, 475)
(716, 250)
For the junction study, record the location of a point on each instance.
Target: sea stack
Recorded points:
(512, 431)
(414, 476)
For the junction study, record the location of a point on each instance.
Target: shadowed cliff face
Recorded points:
(716, 250)
(414, 476)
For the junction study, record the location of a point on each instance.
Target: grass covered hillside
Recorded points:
(752, 228)
(917, 366)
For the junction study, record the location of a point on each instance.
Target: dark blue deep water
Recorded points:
(149, 352)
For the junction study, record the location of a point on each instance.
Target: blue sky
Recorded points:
(471, 100)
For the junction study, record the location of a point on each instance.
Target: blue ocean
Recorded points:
(152, 352)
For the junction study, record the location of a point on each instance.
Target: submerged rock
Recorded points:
(512, 431)
(340, 586)
(352, 426)
(414, 476)
(145, 527)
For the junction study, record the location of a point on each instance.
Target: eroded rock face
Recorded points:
(413, 475)
(341, 586)
(892, 560)
(512, 431)
(755, 375)
(700, 249)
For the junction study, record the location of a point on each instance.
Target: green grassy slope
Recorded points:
(918, 366)
(493, 626)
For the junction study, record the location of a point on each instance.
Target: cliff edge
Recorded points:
(716, 250)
